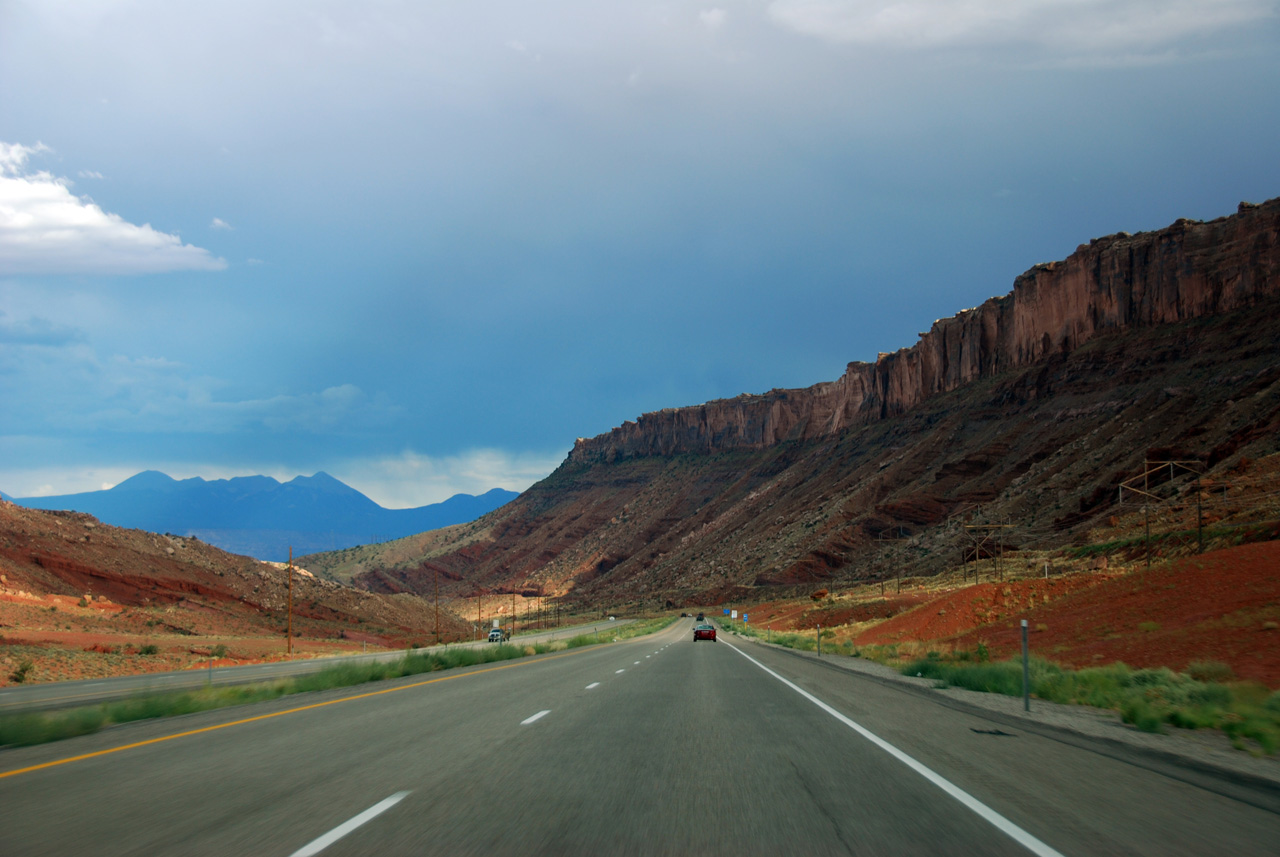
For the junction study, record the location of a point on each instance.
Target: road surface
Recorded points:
(659, 745)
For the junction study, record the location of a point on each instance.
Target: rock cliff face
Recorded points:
(1188, 270)
(1152, 347)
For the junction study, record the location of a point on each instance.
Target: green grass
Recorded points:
(39, 727)
(1149, 699)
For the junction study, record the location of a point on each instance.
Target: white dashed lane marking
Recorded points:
(616, 672)
(537, 716)
(318, 845)
(593, 684)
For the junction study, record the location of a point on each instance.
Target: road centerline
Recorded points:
(1004, 825)
(318, 845)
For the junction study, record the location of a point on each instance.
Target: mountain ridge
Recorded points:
(262, 517)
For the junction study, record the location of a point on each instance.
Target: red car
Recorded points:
(704, 632)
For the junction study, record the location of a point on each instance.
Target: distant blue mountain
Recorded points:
(263, 518)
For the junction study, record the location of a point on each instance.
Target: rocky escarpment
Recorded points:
(1189, 270)
(1025, 414)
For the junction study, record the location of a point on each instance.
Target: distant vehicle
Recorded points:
(611, 619)
(701, 618)
(704, 632)
(498, 635)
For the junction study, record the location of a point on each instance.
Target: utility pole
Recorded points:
(289, 626)
(1199, 519)
(513, 611)
(1146, 512)
(478, 613)
(437, 580)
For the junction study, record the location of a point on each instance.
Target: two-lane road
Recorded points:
(654, 746)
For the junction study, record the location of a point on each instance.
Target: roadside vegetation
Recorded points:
(1204, 697)
(39, 727)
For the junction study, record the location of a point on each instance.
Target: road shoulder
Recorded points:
(1202, 757)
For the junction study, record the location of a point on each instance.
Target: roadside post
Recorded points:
(819, 640)
(289, 628)
(1026, 671)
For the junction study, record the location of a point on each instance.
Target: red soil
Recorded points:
(1222, 606)
(787, 615)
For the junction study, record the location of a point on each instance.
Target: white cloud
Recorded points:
(56, 481)
(219, 223)
(402, 481)
(1097, 27)
(45, 229)
(89, 174)
(412, 479)
(713, 19)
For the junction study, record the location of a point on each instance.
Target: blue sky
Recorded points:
(423, 246)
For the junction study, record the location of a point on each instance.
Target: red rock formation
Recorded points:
(1122, 281)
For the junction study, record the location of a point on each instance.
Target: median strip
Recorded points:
(300, 708)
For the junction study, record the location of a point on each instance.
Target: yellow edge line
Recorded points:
(136, 744)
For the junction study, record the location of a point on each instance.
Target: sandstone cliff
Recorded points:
(1188, 270)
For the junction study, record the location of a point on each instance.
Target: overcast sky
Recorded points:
(422, 246)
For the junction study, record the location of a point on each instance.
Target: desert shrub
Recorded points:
(1137, 711)
(149, 649)
(1002, 677)
(19, 730)
(1210, 671)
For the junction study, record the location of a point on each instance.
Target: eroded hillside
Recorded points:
(1160, 346)
(80, 598)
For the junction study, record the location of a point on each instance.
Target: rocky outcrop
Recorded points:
(1188, 270)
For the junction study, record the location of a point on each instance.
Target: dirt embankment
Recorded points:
(1221, 606)
(82, 599)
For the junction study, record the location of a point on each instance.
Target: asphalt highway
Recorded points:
(67, 694)
(659, 745)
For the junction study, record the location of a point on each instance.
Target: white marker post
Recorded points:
(1026, 671)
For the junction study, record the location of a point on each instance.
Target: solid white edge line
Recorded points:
(988, 814)
(318, 845)
(537, 716)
